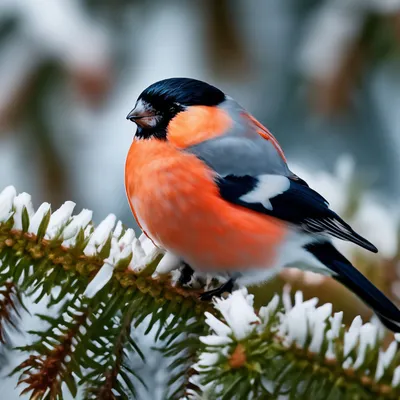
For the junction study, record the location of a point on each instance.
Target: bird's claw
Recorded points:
(186, 274)
(226, 287)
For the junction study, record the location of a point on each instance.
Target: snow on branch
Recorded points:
(100, 253)
(106, 281)
(301, 348)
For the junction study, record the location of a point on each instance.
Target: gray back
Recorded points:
(242, 150)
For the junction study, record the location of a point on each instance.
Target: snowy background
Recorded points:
(322, 75)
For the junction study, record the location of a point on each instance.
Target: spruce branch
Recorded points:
(53, 362)
(111, 366)
(110, 275)
(67, 252)
(10, 303)
(106, 283)
(300, 351)
(182, 346)
(109, 386)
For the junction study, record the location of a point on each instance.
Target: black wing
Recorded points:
(297, 204)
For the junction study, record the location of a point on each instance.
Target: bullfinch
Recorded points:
(208, 182)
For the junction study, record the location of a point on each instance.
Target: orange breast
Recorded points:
(175, 199)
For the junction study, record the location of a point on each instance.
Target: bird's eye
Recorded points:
(175, 107)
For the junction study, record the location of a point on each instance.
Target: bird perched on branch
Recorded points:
(208, 182)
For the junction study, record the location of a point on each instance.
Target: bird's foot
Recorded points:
(186, 274)
(226, 287)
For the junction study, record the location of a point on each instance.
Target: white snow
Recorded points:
(267, 311)
(127, 238)
(217, 326)
(207, 359)
(100, 235)
(100, 280)
(396, 377)
(299, 324)
(143, 253)
(384, 360)
(212, 340)
(77, 223)
(238, 312)
(6, 203)
(168, 263)
(59, 219)
(23, 200)
(352, 335)
(37, 218)
(318, 338)
(118, 229)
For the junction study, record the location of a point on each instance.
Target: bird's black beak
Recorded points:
(140, 113)
(133, 115)
(143, 115)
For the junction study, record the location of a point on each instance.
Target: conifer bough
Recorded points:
(107, 283)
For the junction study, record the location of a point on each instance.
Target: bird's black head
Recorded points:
(161, 101)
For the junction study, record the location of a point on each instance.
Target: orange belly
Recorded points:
(176, 201)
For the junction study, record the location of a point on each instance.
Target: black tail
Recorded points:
(354, 280)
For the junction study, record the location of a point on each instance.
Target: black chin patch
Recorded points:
(158, 132)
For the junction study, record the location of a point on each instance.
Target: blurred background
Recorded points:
(323, 75)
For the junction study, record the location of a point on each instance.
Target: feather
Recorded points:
(291, 200)
(354, 280)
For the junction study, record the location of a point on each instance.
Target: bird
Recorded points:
(209, 183)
